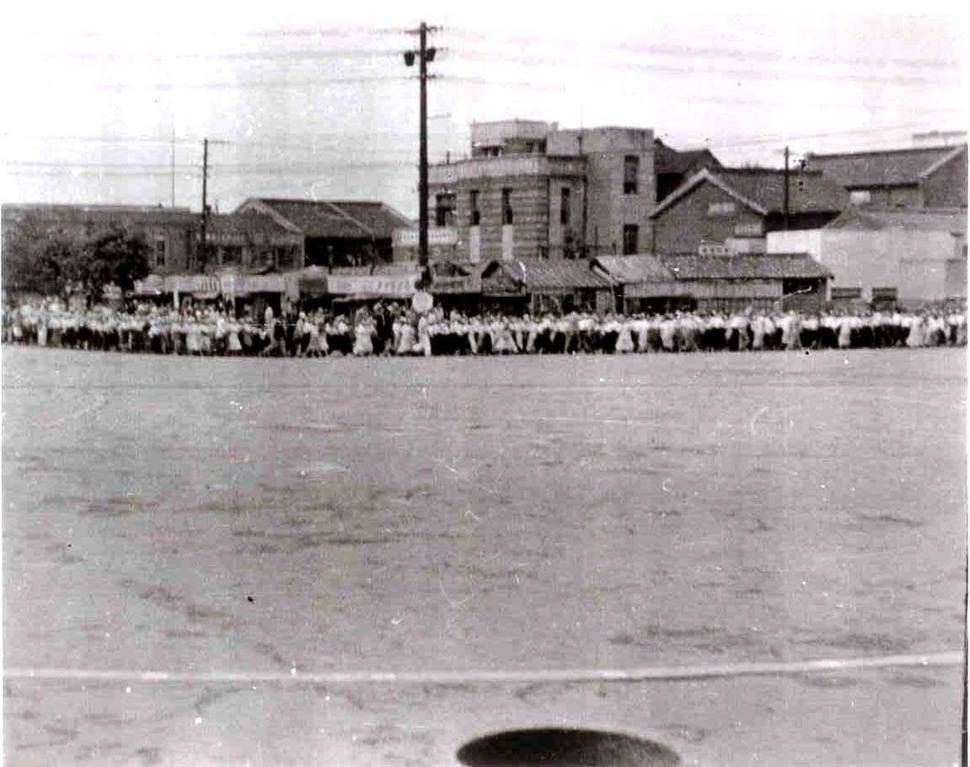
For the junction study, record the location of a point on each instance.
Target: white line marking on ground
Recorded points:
(647, 674)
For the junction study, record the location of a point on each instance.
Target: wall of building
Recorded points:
(947, 188)
(535, 182)
(955, 278)
(609, 208)
(529, 196)
(706, 216)
(179, 248)
(916, 263)
(893, 197)
(565, 240)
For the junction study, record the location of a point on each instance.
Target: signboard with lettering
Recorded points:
(438, 235)
(393, 287)
(714, 250)
(192, 283)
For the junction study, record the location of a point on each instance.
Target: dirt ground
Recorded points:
(282, 518)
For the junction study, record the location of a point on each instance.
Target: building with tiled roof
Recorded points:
(657, 284)
(922, 177)
(732, 209)
(336, 232)
(634, 270)
(690, 266)
(539, 284)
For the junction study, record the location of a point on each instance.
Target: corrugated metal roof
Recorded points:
(744, 267)
(394, 269)
(543, 274)
(635, 269)
(340, 219)
(898, 167)
(247, 223)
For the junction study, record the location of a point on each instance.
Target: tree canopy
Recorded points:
(56, 263)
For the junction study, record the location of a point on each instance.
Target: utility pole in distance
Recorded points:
(787, 182)
(203, 245)
(424, 54)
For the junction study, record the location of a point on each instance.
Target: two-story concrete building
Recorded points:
(530, 189)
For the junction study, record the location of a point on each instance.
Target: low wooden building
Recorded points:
(336, 232)
(642, 283)
(539, 285)
(739, 282)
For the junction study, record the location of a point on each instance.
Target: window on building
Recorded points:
(564, 206)
(444, 211)
(846, 294)
(721, 209)
(231, 254)
(507, 217)
(631, 235)
(884, 295)
(161, 251)
(475, 218)
(793, 286)
(749, 229)
(860, 196)
(631, 173)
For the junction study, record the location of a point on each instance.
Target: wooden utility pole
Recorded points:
(423, 175)
(424, 54)
(787, 183)
(203, 244)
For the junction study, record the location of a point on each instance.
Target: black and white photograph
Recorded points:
(484, 384)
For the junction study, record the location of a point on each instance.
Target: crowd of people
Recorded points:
(395, 329)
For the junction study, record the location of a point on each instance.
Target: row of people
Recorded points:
(396, 330)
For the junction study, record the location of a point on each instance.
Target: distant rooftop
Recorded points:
(886, 167)
(953, 221)
(334, 219)
(763, 190)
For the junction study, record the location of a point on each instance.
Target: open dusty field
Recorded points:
(261, 527)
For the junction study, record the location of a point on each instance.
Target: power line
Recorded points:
(307, 139)
(101, 34)
(260, 84)
(632, 88)
(768, 73)
(692, 52)
(769, 140)
(291, 55)
(80, 169)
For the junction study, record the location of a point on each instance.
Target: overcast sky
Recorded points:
(304, 100)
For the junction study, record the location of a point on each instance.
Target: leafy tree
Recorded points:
(39, 259)
(112, 257)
